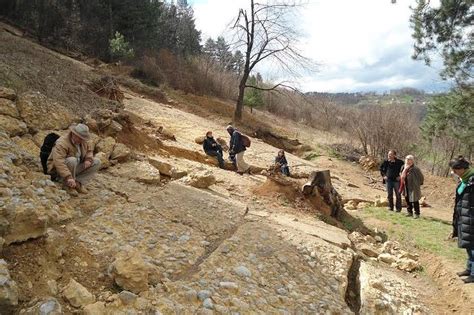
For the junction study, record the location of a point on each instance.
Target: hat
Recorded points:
(230, 127)
(81, 130)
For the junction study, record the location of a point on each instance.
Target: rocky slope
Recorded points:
(164, 231)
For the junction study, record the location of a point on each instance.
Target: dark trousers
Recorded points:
(285, 170)
(412, 205)
(394, 186)
(218, 155)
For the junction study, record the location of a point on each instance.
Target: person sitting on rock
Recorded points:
(212, 148)
(282, 163)
(72, 160)
(237, 148)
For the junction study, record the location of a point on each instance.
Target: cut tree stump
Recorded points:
(320, 182)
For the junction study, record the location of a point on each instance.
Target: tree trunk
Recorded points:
(321, 180)
(240, 100)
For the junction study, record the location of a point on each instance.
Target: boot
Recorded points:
(469, 279)
(416, 216)
(464, 273)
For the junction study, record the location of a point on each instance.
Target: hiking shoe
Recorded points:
(389, 209)
(409, 214)
(464, 273)
(398, 210)
(469, 279)
(416, 216)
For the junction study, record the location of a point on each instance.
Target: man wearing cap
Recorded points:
(237, 148)
(72, 159)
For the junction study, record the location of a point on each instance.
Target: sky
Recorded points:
(359, 45)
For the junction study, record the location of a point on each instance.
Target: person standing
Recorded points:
(390, 171)
(463, 216)
(410, 186)
(212, 148)
(237, 148)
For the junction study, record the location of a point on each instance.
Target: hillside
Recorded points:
(164, 231)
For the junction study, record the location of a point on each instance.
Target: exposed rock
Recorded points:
(408, 265)
(25, 222)
(97, 308)
(368, 250)
(202, 179)
(350, 205)
(140, 171)
(42, 113)
(387, 258)
(104, 161)
(384, 292)
(55, 245)
(8, 108)
(8, 287)
(120, 153)
(167, 169)
(7, 93)
(26, 142)
(391, 247)
(130, 272)
(243, 271)
(12, 126)
(106, 145)
(77, 295)
(49, 306)
(127, 297)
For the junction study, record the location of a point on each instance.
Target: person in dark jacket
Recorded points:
(282, 163)
(410, 186)
(390, 171)
(463, 216)
(237, 148)
(212, 148)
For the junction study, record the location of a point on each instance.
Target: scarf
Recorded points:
(403, 178)
(464, 179)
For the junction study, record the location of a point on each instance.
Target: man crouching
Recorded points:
(72, 160)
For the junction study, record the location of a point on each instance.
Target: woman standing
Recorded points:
(410, 186)
(463, 217)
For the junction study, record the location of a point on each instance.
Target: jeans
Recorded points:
(218, 155)
(285, 170)
(394, 185)
(470, 261)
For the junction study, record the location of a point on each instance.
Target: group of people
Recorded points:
(405, 178)
(71, 161)
(402, 179)
(237, 149)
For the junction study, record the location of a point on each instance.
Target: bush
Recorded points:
(119, 48)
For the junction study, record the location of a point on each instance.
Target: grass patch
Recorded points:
(425, 233)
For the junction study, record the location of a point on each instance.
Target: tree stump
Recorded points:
(320, 182)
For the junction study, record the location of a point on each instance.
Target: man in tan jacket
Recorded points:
(72, 159)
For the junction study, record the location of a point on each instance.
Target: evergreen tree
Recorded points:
(446, 29)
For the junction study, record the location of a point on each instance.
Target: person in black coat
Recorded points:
(282, 163)
(390, 171)
(237, 149)
(463, 216)
(212, 148)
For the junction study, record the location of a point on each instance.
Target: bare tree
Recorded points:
(266, 32)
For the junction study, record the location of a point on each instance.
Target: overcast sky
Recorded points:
(362, 45)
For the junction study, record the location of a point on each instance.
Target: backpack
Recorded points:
(245, 141)
(48, 144)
